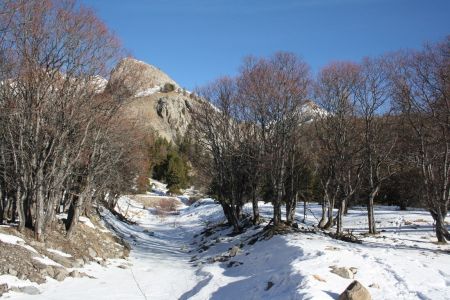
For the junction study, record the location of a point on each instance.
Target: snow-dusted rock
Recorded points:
(30, 290)
(3, 288)
(76, 274)
(92, 252)
(233, 251)
(355, 291)
(61, 274)
(343, 272)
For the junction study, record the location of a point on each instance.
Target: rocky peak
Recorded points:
(137, 77)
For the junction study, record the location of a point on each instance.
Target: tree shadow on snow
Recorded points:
(266, 272)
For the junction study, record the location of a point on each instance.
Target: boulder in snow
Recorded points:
(92, 252)
(343, 272)
(30, 290)
(61, 274)
(355, 291)
(3, 288)
(233, 251)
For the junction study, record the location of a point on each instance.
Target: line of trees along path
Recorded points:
(374, 124)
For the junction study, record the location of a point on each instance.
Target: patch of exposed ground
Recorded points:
(27, 259)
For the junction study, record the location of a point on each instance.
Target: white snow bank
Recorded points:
(11, 239)
(47, 261)
(86, 222)
(60, 253)
(15, 240)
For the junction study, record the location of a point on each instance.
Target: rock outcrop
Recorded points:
(355, 291)
(154, 100)
(136, 76)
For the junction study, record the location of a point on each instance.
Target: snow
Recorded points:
(11, 239)
(403, 260)
(148, 92)
(60, 253)
(47, 261)
(14, 281)
(15, 240)
(100, 83)
(86, 221)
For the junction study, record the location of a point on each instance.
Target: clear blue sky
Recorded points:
(196, 41)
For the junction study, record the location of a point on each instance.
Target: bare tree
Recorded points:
(421, 87)
(218, 131)
(378, 137)
(274, 90)
(339, 137)
(56, 50)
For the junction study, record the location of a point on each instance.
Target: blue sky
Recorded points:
(196, 41)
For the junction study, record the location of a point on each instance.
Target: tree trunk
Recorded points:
(276, 213)
(231, 216)
(13, 211)
(442, 233)
(331, 220)
(51, 211)
(370, 210)
(304, 210)
(291, 206)
(20, 198)
(39, 215)
(74, 215)
(340, 216)
(2, 205)
(324, 219)
(255, 208)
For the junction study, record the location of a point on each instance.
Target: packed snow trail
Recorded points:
(402, 262)
(158, 266)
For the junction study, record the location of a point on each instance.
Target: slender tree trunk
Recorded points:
(345, 208)
(304, 209)
(340, 216)
(255, 207)
(370, 210)
(13, 211)
(291, 206)
(325, 204)
(28, 211)
(39, 215)
(2, 206)
(20, 198)
(331, 220)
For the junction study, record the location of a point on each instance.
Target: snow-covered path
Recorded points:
(158, 266)
(402, 262)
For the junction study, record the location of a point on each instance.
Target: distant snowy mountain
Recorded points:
(310, 111)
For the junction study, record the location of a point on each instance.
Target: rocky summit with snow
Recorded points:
(153, 99)
(186, 252)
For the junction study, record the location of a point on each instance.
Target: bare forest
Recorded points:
(379, 134)
(363, 132)
(63, 145)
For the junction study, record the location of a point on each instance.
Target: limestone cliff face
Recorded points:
(154, 99)
(137, 76)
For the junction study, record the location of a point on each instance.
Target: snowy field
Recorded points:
(171, 260)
